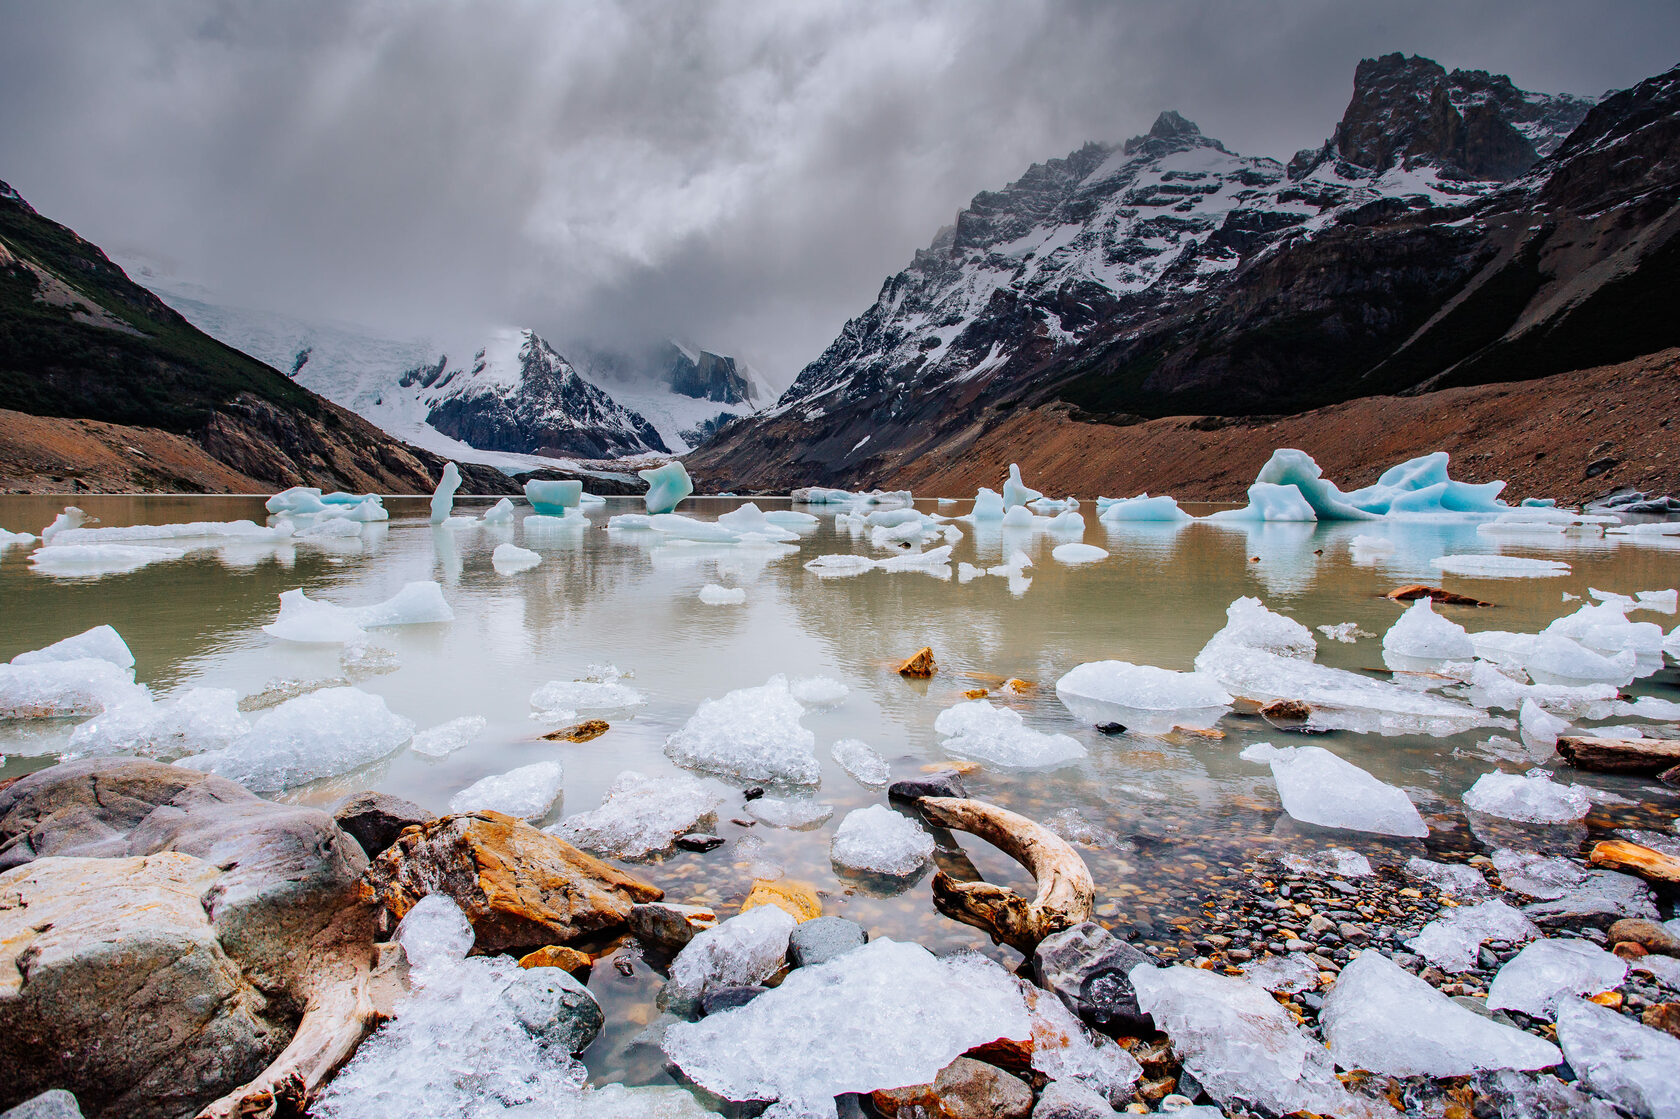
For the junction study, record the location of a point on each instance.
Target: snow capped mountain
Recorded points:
(685, 393)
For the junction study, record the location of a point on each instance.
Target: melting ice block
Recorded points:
(747, 948)
(1381, 1018)
(321, 734)
(798, 813)
(1420, 637)
(1418, 485)
(1336, 861)
(1538, 727)
(1534, 799)
(1451, 942)
(751, 733)
(1269, 502)
(1077, 553)
(883, 1015)
(1450, 878)
(750, 520)
(667, 486)
(1239, 1043)
(554, 497)
(713, 595)
(1142, 696)
(56, 689)
(445, 738)
(978, 731)
(195, 721)
(1317, 787)
(100, 643)
(819, 691)
(1070, 1053)
(640, 815)
(1499, 567)
(511, 559)
(1617, 1057)
(1549, 970)
(1143, 508)
(858, 759)
(526, 793)
(878, 840)
(15, 539)
(88, 560)
(988, 506)
(1293, 972)
(1017, 492)
(443, 498)
(297, 501)
(500, 513)
(305, 620)
(563, 699)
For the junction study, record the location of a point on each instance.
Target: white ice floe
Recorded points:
(714, 595)
(1317, 787)
(305, 620)
(858, 759)
(819, 691)
(750, 733)
(443, 498)
(321, 734)
(196, 720)
(1421, 638)
(878, 840)
(89, 560)
(1490, 687)
(445, 738)
(1017, 492)
(640, 815)
(840, 566)
(1539, 727)
(981, 732)
(511, 559)
(58, 689)
(201, 532)
(1141, 696)
(500, 513)
(1632, 1064)
(1451, 941)
(747, 948)
(667, 486)
(100, 643)
(988, 506)
(1141, 508)
(1456, 879)
(1381, 1018)
(1073, 554)
(881, 1016)
(558, 700)
(1499, 567)
(1239, 1043)
(1548, 971)
(1293, 971)
(797, 813)
(526, 793)
(1533, 799)
(1336, 862)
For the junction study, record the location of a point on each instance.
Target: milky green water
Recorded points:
(1179, 808)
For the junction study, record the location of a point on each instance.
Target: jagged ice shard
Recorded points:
(1617, 1057)
(667, 486)
(321, 734)
(640, 815)
(1547, 971)
(443, 498)
(1317, 787)
(1015, 491)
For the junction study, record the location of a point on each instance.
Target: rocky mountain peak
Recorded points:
(7, 194)
(707, 376)
(1170, 133)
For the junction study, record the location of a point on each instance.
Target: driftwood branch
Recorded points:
(1619, 755)
(1065, 891)
(1652, 865)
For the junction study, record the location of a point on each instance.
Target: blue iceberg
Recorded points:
(667, 486)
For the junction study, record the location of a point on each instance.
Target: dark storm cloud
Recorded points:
(742, 174)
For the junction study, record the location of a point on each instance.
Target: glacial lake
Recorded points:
(1168, 821)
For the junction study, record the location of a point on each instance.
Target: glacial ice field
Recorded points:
(424, 659)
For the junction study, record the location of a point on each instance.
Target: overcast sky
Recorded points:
(743, 175)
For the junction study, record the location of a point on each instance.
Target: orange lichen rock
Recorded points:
(920, 666)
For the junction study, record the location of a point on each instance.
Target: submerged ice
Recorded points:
(1317, 787)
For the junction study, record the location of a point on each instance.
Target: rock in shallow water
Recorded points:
(824, 938)
(666, 926)
(944, 783)
(374, 820)
(1086, 967)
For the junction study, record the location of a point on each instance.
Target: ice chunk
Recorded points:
(434, 933)
(1665, 602)
(526, 793)
(511, 559)
(978, 731)
(881, 1016)
(640, 815)
(72, 517)
(1604, 629)
(1268, 502)
(934, 561)
(988, 506)
(1381, 1018)
(297, 501)
(1019, 516)
(57, 689)
(749, 519)
(1017, 492)
(443, 498)
(204, 532)
(1249, 625)
(445, 738)
(751, 733)
(500, 513)
(1141, 696)
(1619, 1058)
(1317, 787)
(1450, 878)
(1534, 799)
(1569, 891)
(1336, 862)
(1499, 567)
(819, 691)
(878, 840)
(840, 566)
(789, 812)
(1452, 941)
(747, 948)
(303, 619)
(15, 539)
(1539, 728)
(1422, 637)
(1070, 523)
(100, 642)
(88, 560)
(321, 734)
(1238, 1043)
(1489, 687)
(865, 766)
(713, 595)
(1345, 632)
(667, 486)
(572, 696)
(1069, 1053)
(554, 497)
(1549, 970)
(1143, 508)
(1077, 553)
(195, 721)
(1288, 973)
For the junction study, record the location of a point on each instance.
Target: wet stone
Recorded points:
(699, 841)
(728, 998)
(374, 820)
(54, 1104)
(944, 783)
(1087, 967)
(822, 939)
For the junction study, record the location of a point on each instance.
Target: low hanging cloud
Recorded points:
(741, 174)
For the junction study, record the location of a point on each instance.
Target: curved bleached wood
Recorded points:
(1065, 891)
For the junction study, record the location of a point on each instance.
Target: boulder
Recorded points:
(56, 1104)
(920, 664)
(822, 939)
(720, 999)
(374, 820)
(789, 894)
(555, 1008)
(1411, 592)
(556, 955)
(1652, 936)
(1087, 968)
(1069, 1099)
(944, 783)
(518, 886)
(964, 1089)
(667, 927)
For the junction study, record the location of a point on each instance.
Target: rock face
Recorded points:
(170, 935)
(520, 395)
(709, 376)
(1169, 276)
(374, 820)
(519, 887)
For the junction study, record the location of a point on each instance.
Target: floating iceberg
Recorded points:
(713, 595)
(1549, 970)
(1451, 942)
(15, 539)
(563, 699)
(978, 731)
(59, 689)
(1619, 1058)
(667, 486)
(100, 643)
(640, 815)
(877, 840)
(72, 517)
(554, 497)
(1142, 508)
(1418, 485)
(445, 738)
(1142, 696)
(1017, 492)
(1268, 502)
(1381, 1018)
(1537, 726)
(88, 560)
(858, 759)
(443, 498)
(750, 733)
(321, 734)
(1077, 553)
(500, 513)
(195, 721)
(1317, 787)
(1499, 567)
(1422, 637)
(881, 1016)
(297, 501)
(750, 520)
(747, 948)
(1534, 799)
(988, 506)
(526, 793)
(819, 495)
(303, 619)
(203, 531)
(511, 559)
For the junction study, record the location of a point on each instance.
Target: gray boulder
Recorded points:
(1069, 1099)
(823, 938)
(374, 820)
(555, 1008)
(1087, 967)
(56, 1104)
